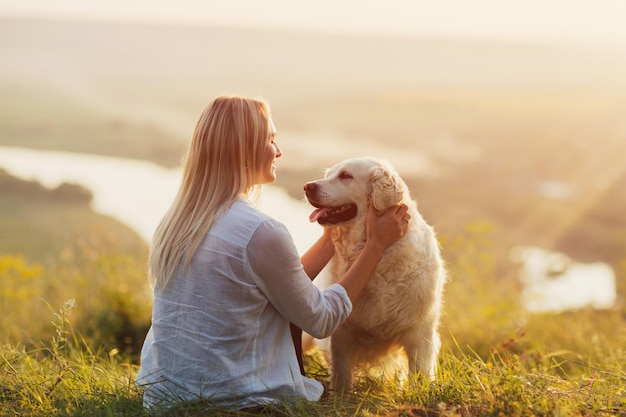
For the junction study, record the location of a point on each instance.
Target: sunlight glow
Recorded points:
(581, 21)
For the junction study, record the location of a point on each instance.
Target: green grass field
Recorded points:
(496, 360)
(68, 382)
(92, 308)
(53, 248)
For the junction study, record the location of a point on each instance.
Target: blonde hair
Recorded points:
(221, 165)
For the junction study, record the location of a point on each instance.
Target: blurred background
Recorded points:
(506, 119)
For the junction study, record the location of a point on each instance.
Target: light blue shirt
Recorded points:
(220, 329)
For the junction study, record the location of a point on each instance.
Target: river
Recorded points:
(138, 193)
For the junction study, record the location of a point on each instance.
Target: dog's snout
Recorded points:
(310, 187)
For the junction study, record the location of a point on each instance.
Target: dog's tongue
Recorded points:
(317, 213)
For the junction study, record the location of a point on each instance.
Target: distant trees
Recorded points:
(33, 190)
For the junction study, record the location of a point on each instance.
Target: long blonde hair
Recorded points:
(221, 165)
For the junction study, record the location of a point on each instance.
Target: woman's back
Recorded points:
(214, 334)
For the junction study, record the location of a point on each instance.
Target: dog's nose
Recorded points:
(310, 187)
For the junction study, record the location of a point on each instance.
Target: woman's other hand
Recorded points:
(387, 228)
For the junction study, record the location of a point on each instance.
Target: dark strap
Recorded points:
(296, 335)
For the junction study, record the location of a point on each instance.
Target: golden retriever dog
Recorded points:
(401, 305)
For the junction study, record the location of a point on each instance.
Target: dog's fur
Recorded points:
(401, 304)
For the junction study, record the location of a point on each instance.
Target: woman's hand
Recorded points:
(387, 228)
(381, 231)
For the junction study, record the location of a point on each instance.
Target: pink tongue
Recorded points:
(317, 213)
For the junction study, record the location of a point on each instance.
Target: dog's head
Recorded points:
(342, 195)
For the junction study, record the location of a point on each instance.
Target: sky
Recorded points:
(572, 21)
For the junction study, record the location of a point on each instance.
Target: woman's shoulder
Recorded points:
(242, 217)
(246, 211)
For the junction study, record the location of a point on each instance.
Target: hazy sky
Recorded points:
(594, 21)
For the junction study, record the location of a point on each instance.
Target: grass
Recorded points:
(496, 359)
(63, 379)
(54, 247)
(66, 378)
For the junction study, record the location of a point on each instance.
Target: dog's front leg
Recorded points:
(342, 360)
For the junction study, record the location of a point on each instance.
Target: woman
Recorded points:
(228, 281)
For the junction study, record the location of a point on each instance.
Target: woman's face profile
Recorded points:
(270, 154)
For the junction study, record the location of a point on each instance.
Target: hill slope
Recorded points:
(40, 223)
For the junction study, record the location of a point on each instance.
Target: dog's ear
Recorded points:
(387, 187)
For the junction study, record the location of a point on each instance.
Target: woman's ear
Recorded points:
(387, 187)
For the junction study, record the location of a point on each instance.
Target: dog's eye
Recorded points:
(344, 175)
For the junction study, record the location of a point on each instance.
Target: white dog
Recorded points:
(401, 304)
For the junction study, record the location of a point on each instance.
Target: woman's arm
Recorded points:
(316, 258)
(277, 270)
(280, 275)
